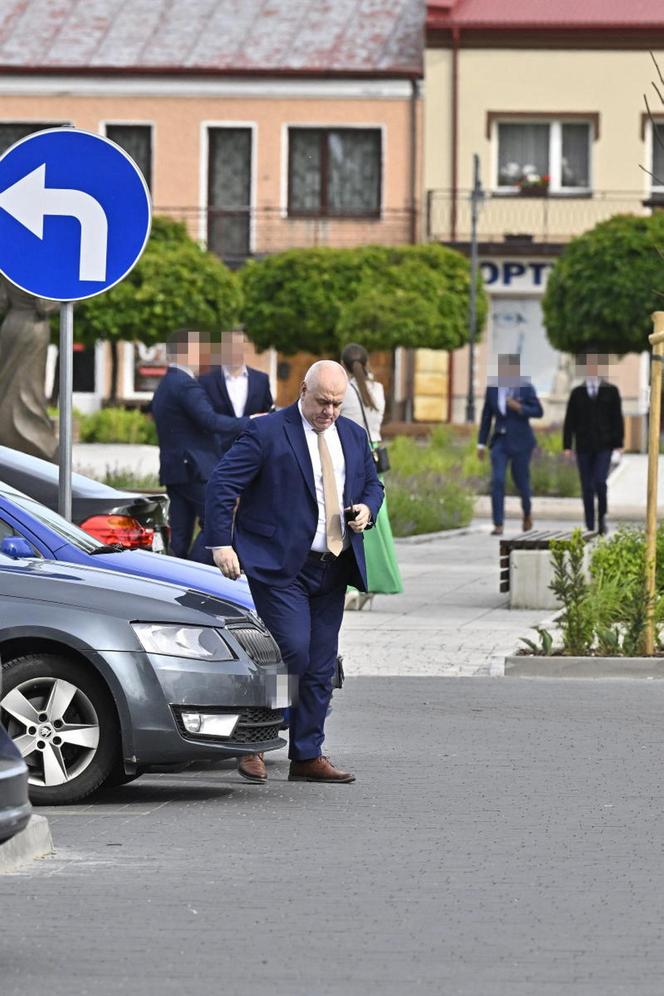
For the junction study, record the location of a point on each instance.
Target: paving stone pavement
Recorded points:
(451, 618)
(502, 839)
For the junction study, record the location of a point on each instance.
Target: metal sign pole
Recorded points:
(65, 405)
(476, 197)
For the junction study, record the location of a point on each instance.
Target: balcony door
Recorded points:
(230, 154)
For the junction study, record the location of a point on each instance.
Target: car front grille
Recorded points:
(257, 644)
(257, 725)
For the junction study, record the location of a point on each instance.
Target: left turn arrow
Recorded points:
(29, 200)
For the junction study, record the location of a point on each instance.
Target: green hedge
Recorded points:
(117, 425)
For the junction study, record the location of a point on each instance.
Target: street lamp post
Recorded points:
(476, 198)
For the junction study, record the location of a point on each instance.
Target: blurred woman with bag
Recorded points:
(365, 404)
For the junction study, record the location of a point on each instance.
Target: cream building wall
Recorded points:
(608, 84)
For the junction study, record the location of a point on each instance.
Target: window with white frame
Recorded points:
(13, 131)
(136, 140)
(543, 156)
(657, 156)
(334, 172)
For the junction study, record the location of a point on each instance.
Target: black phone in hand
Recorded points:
(350, 514)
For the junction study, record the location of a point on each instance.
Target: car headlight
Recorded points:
(200, 642)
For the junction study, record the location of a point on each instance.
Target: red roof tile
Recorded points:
(315, 37)
(502, 14)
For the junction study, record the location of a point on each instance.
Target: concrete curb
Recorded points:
(526, 666)
(33, 842)
(445, 534)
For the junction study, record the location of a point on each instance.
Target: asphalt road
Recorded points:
(504, 838)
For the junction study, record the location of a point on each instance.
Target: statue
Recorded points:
(25, 424)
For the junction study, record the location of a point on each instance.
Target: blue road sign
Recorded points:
(74, 214)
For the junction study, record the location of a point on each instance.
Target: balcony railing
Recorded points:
(550, 218)
(241, 233)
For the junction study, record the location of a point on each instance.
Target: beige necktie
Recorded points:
(335, 543)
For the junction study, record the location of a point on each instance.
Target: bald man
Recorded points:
(308, 489)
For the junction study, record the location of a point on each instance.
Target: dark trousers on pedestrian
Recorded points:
(305, 619)
(594, 467)
(187, 507)
(520, 468)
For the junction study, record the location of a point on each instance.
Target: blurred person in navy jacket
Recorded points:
(509, 404)
(307, 489)
(234, 389)
(594, 425)
(188, 429)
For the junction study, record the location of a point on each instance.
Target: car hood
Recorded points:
(203, 578)
(111, 594)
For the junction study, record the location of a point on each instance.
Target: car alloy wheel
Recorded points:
(55, 727)
(63, 722)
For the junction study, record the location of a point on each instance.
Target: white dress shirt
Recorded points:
(592, 386)
(503, 394)
(331, 437)
(238, 389)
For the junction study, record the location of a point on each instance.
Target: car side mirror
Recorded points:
(16, 547)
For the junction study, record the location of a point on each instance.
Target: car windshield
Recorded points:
(59, 525)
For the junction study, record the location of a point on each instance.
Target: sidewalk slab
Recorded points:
(98, 459)
(33, 842)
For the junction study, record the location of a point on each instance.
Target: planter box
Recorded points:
(531, 666)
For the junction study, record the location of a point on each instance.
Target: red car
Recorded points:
(137, 521)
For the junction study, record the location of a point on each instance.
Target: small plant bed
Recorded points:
(600, 630)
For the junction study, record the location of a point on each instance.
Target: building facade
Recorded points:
(264, 126)
(550, 96)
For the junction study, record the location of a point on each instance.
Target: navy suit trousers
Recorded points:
(305, 619)
(594, 469)
(187, 506)
(500, 457)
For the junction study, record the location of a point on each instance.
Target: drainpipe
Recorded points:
(414, 158)
(456, 38)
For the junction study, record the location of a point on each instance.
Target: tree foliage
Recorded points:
(380, 296)
(175, 283)
(605, 285)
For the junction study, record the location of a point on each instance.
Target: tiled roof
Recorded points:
(503, 14)
(315, 37)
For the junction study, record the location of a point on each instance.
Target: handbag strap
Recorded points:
(364, 414)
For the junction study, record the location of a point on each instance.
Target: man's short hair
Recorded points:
(178, 341)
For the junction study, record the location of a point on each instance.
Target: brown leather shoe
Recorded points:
(252, 767)
(527, 523)
(318, 769)
(497, 531)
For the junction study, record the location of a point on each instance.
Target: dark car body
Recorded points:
(39, 479)
(88, 622)
(55, 538)
(15, 807)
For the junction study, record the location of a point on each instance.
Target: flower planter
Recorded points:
(533, 192)
(534, 666)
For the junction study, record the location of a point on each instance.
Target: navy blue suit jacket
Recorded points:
(269, 469)
(188, 429)
(259, 399)
(519, 435)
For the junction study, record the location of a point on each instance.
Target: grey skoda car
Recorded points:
(105, 676)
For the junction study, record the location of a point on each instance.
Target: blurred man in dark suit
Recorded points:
(509, 404)
(234, 389)
(188, 429)
(594, 427)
